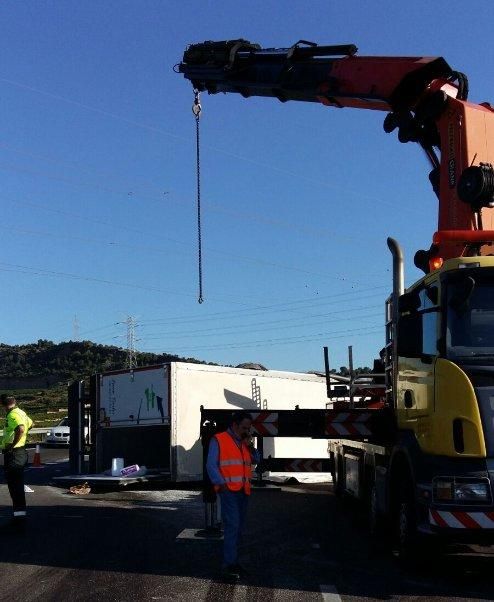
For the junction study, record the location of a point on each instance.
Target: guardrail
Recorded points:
(36, 431)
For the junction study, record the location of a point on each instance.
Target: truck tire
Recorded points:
(375, 520)
(406, 535)
(338, 475)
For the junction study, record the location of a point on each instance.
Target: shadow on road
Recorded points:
(296, 541)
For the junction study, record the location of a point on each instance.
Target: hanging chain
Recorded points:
(196, 109)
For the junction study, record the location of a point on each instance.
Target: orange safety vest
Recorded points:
(234, 463)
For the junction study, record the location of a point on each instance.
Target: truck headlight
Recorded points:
(472, 492)
(461, 490)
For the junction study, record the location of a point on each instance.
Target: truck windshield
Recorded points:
(470, 322)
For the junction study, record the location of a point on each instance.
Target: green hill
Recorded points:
(57, 362)
(38, 373)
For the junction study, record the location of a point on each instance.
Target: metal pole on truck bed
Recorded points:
(326, 372)
(352, 375)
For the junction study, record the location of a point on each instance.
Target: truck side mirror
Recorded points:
(409, 302)
(461, 293)
(410, 335)
(432, 294)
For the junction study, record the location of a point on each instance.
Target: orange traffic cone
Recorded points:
(37, 458)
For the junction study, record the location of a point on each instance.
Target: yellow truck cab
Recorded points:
(445, 392)
(435, 474)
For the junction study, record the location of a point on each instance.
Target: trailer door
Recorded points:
(134, 418)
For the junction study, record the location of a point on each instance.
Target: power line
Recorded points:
(364, 331)
(208, 206)
(215, 149)
(78, 277)
(238, 313)
(295, 339)
(112, 325)
(88, 169)
(267, 309)
(224, 315)
(45, 272)
(35, 271)
(226, 256)
(234, 329)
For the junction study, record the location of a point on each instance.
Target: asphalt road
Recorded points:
(302, 544)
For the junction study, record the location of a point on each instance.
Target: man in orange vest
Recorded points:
(229, 465)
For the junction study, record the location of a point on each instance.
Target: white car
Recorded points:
(60, 434)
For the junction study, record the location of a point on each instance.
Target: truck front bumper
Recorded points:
(458, 525)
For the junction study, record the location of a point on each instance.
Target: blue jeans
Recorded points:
(233, 514)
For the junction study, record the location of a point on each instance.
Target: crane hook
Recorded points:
(196, 107)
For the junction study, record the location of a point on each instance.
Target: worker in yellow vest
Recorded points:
(15, 429)
(229, 466)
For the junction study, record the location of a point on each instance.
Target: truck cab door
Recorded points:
(419, 331)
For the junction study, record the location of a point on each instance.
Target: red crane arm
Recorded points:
(425, 99)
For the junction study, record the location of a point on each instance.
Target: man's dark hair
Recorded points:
(237, 417)
(6, 400)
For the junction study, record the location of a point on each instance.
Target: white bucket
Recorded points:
(116, 466)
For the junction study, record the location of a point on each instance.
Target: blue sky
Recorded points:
(97, 167)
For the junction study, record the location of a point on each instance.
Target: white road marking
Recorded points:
(288, 589)
(304, 491)
(195, 534)
(330, 593)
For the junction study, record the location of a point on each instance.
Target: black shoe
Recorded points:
(231, 573)
(241, 571)
(19, 522)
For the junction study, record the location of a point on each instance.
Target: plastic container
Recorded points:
(117, 465)
(129, 471)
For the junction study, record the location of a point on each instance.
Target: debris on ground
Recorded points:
(82, 489)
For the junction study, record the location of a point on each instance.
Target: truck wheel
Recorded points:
(406, 534)
(337, 476)
(376, 521)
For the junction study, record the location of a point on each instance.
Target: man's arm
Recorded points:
(212, 464)
(18, 432)
(255, 456)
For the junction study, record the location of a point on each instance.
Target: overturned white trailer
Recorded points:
(151, 415)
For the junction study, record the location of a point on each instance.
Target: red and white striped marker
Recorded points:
(265, 423)
(347, 424)
(457, 519)
(304, 466)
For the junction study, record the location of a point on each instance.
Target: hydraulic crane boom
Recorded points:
(426, 101)
(425, 467)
